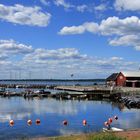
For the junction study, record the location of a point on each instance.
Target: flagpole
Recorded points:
(72, 79)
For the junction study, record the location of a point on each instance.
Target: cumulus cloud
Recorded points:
(70, 60)
(128, 40)
(126, 31)
(19, 14)
(61, 63)
(39, 62)
(132, 5)
(109, 26)
(13, 47)
(88, 26)
(117, 26)
(43, 55)
(72, 30)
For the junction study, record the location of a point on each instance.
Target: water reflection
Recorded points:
(52, 112)
(135, 118)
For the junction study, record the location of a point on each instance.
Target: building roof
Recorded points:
(131, 74)
(112, 77)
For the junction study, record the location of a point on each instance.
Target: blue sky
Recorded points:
(57, 38)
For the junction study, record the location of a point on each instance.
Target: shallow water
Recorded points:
(52, 112)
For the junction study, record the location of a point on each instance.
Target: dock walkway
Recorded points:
(87, 89)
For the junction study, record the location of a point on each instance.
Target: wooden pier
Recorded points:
(90, 91)
(94, 89)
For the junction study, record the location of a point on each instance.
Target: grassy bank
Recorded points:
(100, 136)
(133, 134)
(126, 135)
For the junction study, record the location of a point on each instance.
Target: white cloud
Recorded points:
(88, 26)
(117, 26)
(91, 27)
(125, 31)
(132, 5)
(61, 63)
(91, 7)
(72, 30)
(101, 7)
(63, 3)
(19, 14)
(13, 47)
(128, 40)
(109, 26)
(70, 60)
(43, 55)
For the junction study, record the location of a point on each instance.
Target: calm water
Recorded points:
(52, 112)
(55, 82)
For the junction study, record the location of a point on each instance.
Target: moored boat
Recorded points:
(112, 129)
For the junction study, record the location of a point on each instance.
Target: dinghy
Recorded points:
(112, 129)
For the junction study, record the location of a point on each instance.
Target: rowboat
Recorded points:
(112, 129)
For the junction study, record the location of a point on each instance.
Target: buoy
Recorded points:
(65, 122)
(38, 121)
(110, 120)
(29, 122)
(84, 122)
(11, 122)
(106, 123)
(115, 117)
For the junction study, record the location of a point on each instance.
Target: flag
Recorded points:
(72, 75)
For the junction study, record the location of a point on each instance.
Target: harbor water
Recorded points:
(52, 113)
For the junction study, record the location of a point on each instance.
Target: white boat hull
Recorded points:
(113, 129)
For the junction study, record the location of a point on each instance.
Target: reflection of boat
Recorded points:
(112, 129)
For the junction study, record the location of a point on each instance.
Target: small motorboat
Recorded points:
(112, 129)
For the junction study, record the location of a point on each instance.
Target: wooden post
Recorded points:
(133, 84)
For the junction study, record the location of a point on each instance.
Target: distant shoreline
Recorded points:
(102, 80)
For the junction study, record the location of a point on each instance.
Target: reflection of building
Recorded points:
(128, 79)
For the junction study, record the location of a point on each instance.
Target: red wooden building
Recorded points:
(128, 79)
